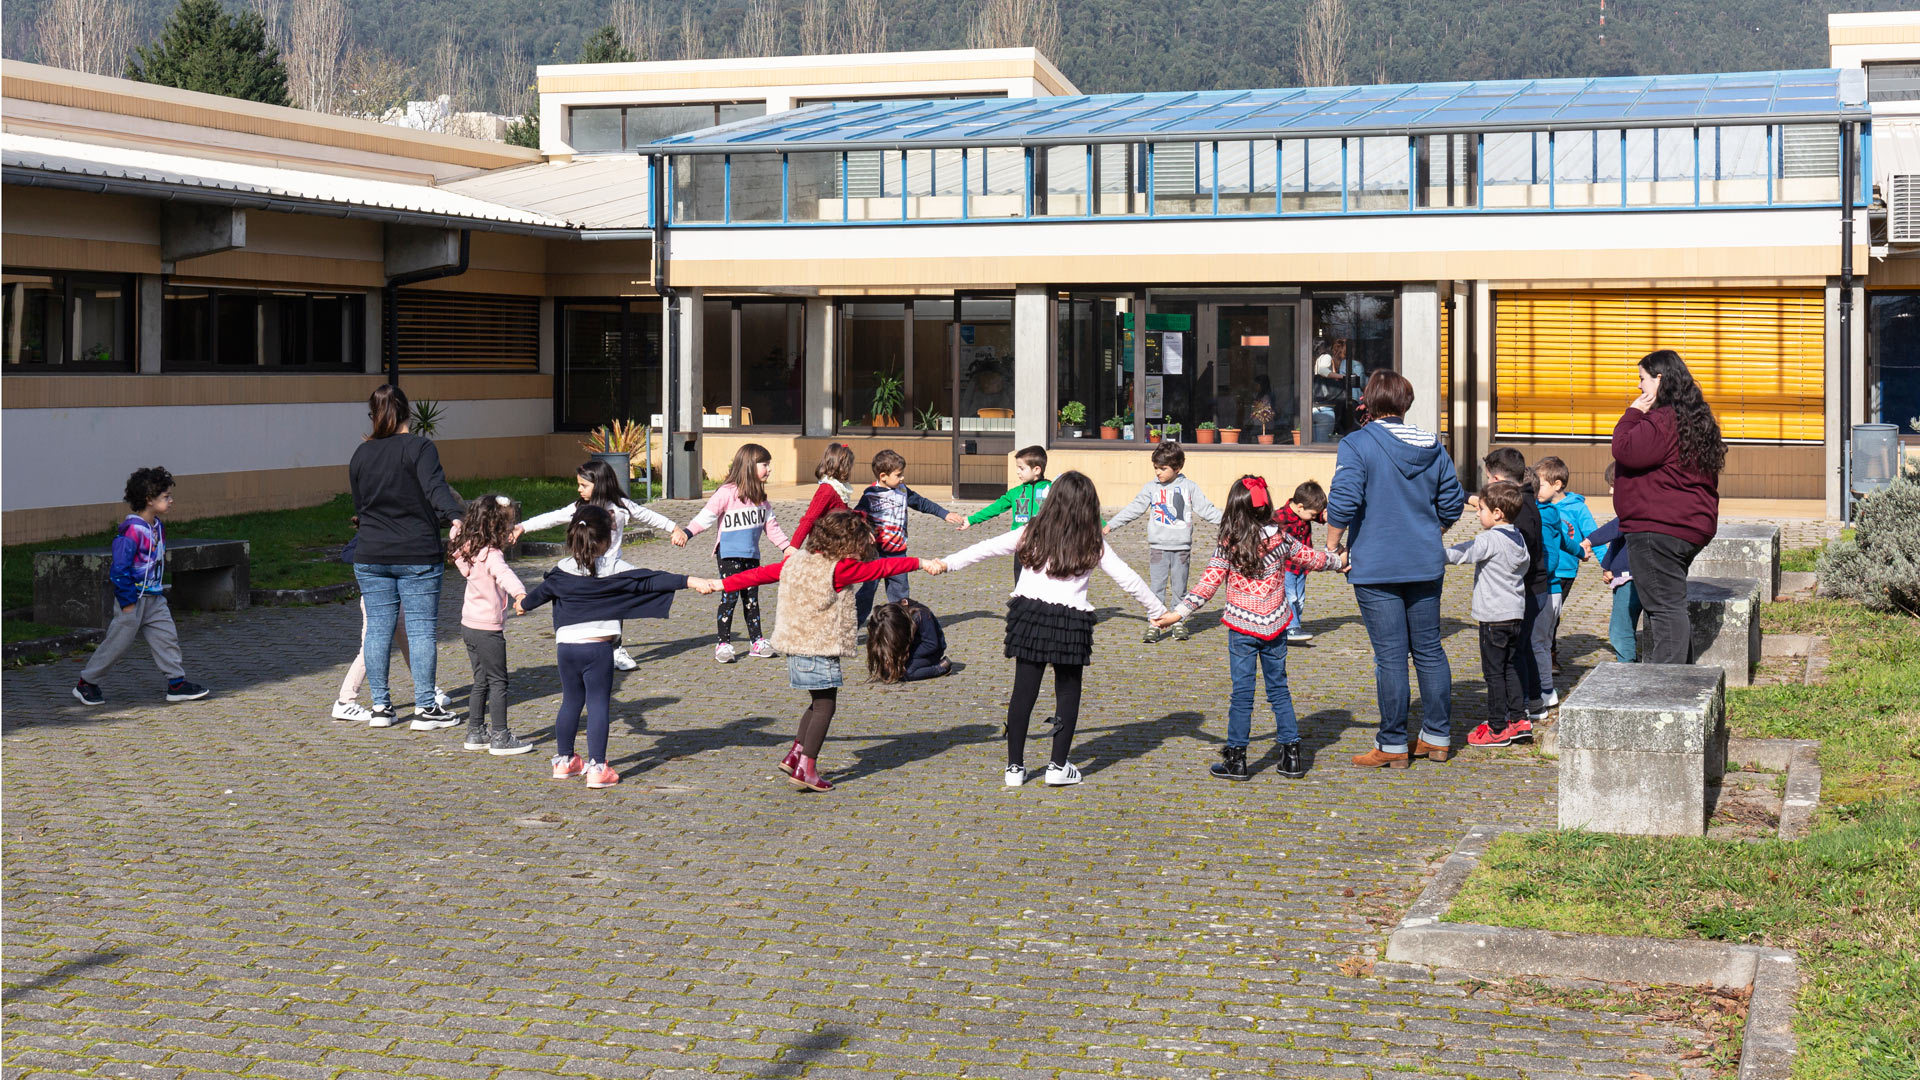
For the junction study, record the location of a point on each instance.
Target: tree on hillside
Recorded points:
(693, 36)
(203, 48)
(819, 29)
(1321, 51)
(760, 29)
(641, 29)
(604, 46)
(316, 47)
(866, 26)
(1013, 24)
(85, 35)
(371, 84)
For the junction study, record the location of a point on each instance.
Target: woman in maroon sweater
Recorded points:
(1666, 493)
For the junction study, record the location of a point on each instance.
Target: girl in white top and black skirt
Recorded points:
(1049, 618)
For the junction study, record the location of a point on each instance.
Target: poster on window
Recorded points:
(1156, 396)
(1172, 352)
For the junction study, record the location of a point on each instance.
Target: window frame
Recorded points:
(128, 319)
(355, 335)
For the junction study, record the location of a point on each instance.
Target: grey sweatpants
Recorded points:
(1168, 569)
(151, 616)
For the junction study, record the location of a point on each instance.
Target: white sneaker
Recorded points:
(380, 716)
(442, 699)
(1062, 775)
(622, 661)
(432, 719)
(724, 653)
(1297, 634)
(1551, 700)
(350, 710)
(762, 649)
(1016, 775)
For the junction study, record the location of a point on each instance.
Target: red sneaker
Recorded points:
(601, 775)
(1484, 735)
(565, 768)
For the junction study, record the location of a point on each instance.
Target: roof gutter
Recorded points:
(187, 193)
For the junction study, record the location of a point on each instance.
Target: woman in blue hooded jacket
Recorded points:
(1394, 495)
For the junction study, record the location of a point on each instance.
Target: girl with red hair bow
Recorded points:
(1252, 560)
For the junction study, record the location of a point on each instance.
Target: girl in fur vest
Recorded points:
(813, 626)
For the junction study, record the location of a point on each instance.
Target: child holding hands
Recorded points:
(492, 588)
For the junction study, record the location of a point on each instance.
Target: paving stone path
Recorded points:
(241, 887)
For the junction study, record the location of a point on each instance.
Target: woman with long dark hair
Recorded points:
(401, 498)
(1668, 456)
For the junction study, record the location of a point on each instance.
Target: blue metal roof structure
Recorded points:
(1816, 95)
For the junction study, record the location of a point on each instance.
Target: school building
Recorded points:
(952, 254)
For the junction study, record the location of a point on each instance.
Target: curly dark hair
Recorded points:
(488, 524)
(841, 534)
(146, 485)
(1698, 433)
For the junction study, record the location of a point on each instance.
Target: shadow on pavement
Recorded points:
(797, 1056)
(65, 971)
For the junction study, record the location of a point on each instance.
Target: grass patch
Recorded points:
(1847, 898)
(1806, 560)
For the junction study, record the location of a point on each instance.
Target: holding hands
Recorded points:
(704, 585)
(1166, 620)
(679, 537)
(956, 519)
(933, 566)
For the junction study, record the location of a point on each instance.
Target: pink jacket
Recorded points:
(741, 523)
(491, 587)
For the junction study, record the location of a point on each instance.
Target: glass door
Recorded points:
(1254, 368)
(608, 366)
(980, 347)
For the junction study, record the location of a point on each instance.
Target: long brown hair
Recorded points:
(387, 407)
(837, 462)
(1243, 526)
(1063, 540)
(890, 635)
(744, 477)
(589, 536)
(839, 534)
(1694, 428)
(488, 524)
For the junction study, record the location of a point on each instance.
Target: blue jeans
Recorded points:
(1245, 653)
(897, 586)
(1296, 586)
(386, 590)
(1626, 619)
(1403, 619)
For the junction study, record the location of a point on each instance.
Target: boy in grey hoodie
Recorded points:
(1173, 501)
(1499, 558)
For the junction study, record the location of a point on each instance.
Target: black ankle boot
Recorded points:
(1290, 765)
(1233, 764)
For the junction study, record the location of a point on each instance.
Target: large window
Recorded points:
(68, 322)
(1352, 338)
(1893, 358)
(873, 346)
(466, 331)
(209, 329)
(755, 368)
(608, 364)
(953, 358)
(602, 128)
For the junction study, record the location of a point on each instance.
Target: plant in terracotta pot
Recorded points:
(1229, 434)
(888, 395)
(1261, 413)
(1072, 415)
(1206, 432)
(1110, 428)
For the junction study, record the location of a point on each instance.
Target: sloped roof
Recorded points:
(597, 192)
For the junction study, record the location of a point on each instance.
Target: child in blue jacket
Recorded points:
(138, 574)
(1564, 522)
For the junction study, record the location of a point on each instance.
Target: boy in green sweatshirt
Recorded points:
(1023, 499)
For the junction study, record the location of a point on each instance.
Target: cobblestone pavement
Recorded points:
(240, 886)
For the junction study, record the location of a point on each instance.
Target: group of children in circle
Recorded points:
(831, 569)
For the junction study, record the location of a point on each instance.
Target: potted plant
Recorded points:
(888, 395)
(929, 419)
(1296, 436)
(1072, 415)
(1171, 432)
(1110, 428)
(616, 444)
(1206, 431)
(1153, 434)
(1229, 434)
(1262, 414)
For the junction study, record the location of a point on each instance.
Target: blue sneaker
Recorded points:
(88, 693)
(182, 690)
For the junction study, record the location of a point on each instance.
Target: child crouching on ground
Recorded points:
(492, 588)
(904, 643)
(814, 624)
(1255, 559)
(1500, 561)
(591, 593)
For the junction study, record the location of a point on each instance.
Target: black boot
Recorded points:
(1290, 765)
(1233, 764)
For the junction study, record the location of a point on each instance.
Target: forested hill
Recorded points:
(1127, 45)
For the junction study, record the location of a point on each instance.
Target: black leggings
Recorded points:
(749, 600)
(586, 681)
(814, 721)
(1026, 691)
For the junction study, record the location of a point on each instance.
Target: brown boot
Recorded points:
(1377, 757)
(1434, 753)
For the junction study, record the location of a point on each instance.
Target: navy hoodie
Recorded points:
(1395, 491)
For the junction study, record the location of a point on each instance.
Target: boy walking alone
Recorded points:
(1500, 561)
(1173, 501)
(137, 573)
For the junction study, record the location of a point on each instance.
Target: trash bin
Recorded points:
(1876, 457)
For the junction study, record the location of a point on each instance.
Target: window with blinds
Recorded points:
(488, 331)
(1446, 364)
(1564, 362)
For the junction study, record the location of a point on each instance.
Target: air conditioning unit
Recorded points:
(1903, 208)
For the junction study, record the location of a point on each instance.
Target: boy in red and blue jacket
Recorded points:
(137, 574)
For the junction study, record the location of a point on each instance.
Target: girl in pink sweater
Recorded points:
(478, 552)
(739, 509)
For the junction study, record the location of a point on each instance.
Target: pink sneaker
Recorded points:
(601, 775)
(565, 768)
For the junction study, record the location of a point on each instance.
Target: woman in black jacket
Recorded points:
(402, 499)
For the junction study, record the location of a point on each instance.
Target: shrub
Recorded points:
(1880, 566)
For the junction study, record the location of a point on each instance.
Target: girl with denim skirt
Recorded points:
(814, 624)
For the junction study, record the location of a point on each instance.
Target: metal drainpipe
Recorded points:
(670, 310)
(1847, 194)
(390, 292)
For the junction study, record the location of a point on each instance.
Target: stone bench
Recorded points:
(70, 587)
(1742, 551)
(1724, 614)
(1639, 746)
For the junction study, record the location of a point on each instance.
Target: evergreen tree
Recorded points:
(203, 48)
(603, 46)
(526, 130)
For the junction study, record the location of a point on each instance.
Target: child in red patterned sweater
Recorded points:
(1308, 505)
(1253, 559)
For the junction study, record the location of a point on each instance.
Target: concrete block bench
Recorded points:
(1639, 746)
(1742, 551)
(70, 587)
(1724, 614)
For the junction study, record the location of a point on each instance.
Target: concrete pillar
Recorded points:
(372, 358)
(682, 395)
(1420, 352)
(1481, 403)
(188, 231)
(413, 249)
(148, 303)
(822, 341)
(1033, 367)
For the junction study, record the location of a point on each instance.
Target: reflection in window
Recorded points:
(68, 322)
(813, 187)
(699, 187)
(763, 342)
(605, 128)
(873, 343)
(1446, 171)
(609, 362)
(1893, 357)
(1377, 173)
(1092, 373)
(1120, 177)
(1310, 176)
(1352, 338)
(1516, 164)
(756, 187)
(984, 338)
(1061, 181)
(997, 182)
(1659, 166)
(204, 329)
(1243, 173)
(1733, 165)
